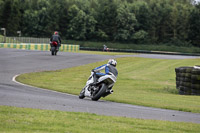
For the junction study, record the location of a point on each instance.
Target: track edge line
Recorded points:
(14, 80)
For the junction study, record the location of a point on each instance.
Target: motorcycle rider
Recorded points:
(110, 68)
(55, 38)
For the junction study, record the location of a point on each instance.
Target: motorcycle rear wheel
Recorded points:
(52, 52)
(100, 93)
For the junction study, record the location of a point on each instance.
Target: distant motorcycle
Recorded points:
(54, 48)
(102, 88)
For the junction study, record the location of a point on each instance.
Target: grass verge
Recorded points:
(105, 53)
(141, 81)
(148, 47)
(14, 120)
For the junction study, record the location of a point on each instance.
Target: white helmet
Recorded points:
(112, 62)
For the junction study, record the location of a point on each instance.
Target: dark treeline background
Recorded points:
(174, 22)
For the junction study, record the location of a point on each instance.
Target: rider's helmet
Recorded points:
(55, 33)
(112, 62)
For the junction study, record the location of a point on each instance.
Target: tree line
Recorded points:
(174, 22)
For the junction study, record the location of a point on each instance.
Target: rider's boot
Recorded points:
(95, 80)
(87, 92)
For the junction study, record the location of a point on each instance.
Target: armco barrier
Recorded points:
(140, 51)
(42, 47)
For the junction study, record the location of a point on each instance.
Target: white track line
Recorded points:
(14, 80)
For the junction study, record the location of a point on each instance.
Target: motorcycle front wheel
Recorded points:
(81, 95)
(97, 95)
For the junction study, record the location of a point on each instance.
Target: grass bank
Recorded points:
(15, 120)
(141, 81)
(148, 47)
(105, 53)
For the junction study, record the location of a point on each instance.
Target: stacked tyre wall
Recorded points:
(188, 80)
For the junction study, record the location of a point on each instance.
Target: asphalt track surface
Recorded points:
(14, 62)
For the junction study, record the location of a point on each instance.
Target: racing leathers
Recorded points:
(55, 38)
(109, 69)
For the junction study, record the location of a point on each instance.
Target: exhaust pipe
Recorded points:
(111, 91)
(107, 93)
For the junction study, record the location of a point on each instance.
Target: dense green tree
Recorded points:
(63, 18)
(174, 22)
(155, 21)
(30, 23)
(1, 13)
(43, 18)
(90, 27)
(77, 23)
(133, 21)
(5, 15)
(194, 33)
(140, 37)
(143, 15)
(36, 20)
(53, 11)
(107, 12)
(125, 22)
(14, 19)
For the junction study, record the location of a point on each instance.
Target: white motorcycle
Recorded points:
(102, 88)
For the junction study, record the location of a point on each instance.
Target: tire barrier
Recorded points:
(188, 80)
(41, 47)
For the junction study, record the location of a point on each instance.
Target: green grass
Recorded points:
(17, 120)
(105, 53)
(148, 47)
(141, 81)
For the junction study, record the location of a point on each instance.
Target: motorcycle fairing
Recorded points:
(109, 79)
(55, 43)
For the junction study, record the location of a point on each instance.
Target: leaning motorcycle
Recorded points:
(102, 88)
(54, 48)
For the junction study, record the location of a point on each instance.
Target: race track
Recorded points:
(14, 62)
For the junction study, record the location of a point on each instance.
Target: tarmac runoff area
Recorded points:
(14, 62)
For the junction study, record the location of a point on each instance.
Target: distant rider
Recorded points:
(56, 38)
(105, 48)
